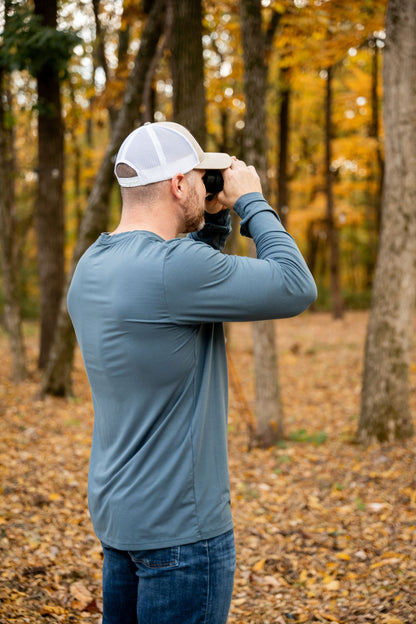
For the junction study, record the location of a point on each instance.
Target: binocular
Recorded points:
(214, 182)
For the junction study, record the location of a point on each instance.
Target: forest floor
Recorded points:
(325, 529)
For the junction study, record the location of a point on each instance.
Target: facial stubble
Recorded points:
(193, 212)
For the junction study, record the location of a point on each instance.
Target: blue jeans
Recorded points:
(189, 584)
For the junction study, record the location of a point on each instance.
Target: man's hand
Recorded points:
(212, 206)
(239, 179)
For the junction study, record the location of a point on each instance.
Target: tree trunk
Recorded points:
(187, 64)
(269, 419)
(149, 92)
(332, 230)
(9, 264)
(385, 412)
(375, 134)
(57, 379)
(49, 212)
(376, 171)
(283, 188)
(100, 59)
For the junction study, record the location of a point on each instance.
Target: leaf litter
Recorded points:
(325, 529)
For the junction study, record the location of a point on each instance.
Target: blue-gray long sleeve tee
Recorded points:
(148, 317)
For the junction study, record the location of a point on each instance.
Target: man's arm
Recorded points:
(216, 230)
(204, 285)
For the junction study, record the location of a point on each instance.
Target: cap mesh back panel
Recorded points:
(140, 153)
(156, 153)
(175, 146)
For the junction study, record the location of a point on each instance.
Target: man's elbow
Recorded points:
(303, 298)
(312, 293)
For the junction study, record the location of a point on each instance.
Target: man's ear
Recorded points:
(177, 185)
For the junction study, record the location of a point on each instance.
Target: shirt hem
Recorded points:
(167, 543)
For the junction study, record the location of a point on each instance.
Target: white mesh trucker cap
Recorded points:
(158, 151)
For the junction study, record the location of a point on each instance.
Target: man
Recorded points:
(148, 308)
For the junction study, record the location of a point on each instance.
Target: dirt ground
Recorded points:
(325, 529)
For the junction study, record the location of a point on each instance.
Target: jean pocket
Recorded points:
(159, 558)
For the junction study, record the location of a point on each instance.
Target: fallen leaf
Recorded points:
(343, 556)
(82, 595)
(271, 580)
(53, 610)
(327, 616)
(259, 566)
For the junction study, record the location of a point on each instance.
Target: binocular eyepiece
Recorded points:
(214, 182)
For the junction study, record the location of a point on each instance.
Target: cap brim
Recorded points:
(214, 160)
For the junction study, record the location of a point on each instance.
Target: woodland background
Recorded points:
(320, 96)
(304, 40)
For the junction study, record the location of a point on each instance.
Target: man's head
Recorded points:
(158, 151)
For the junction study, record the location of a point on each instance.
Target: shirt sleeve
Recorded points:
(204, 285)
(216, 230)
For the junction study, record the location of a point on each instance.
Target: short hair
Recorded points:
(142, 194)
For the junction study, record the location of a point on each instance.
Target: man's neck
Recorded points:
(159, 220)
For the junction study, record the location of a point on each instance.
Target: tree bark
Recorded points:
(269, 417)
(149, 93)
(49, 213)
(385, 411)
(283, 188)
(100, 59)
(376, 172)
(375, 134)
(9, 264)
(57, 379)
(332, 230)
(189, 103)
